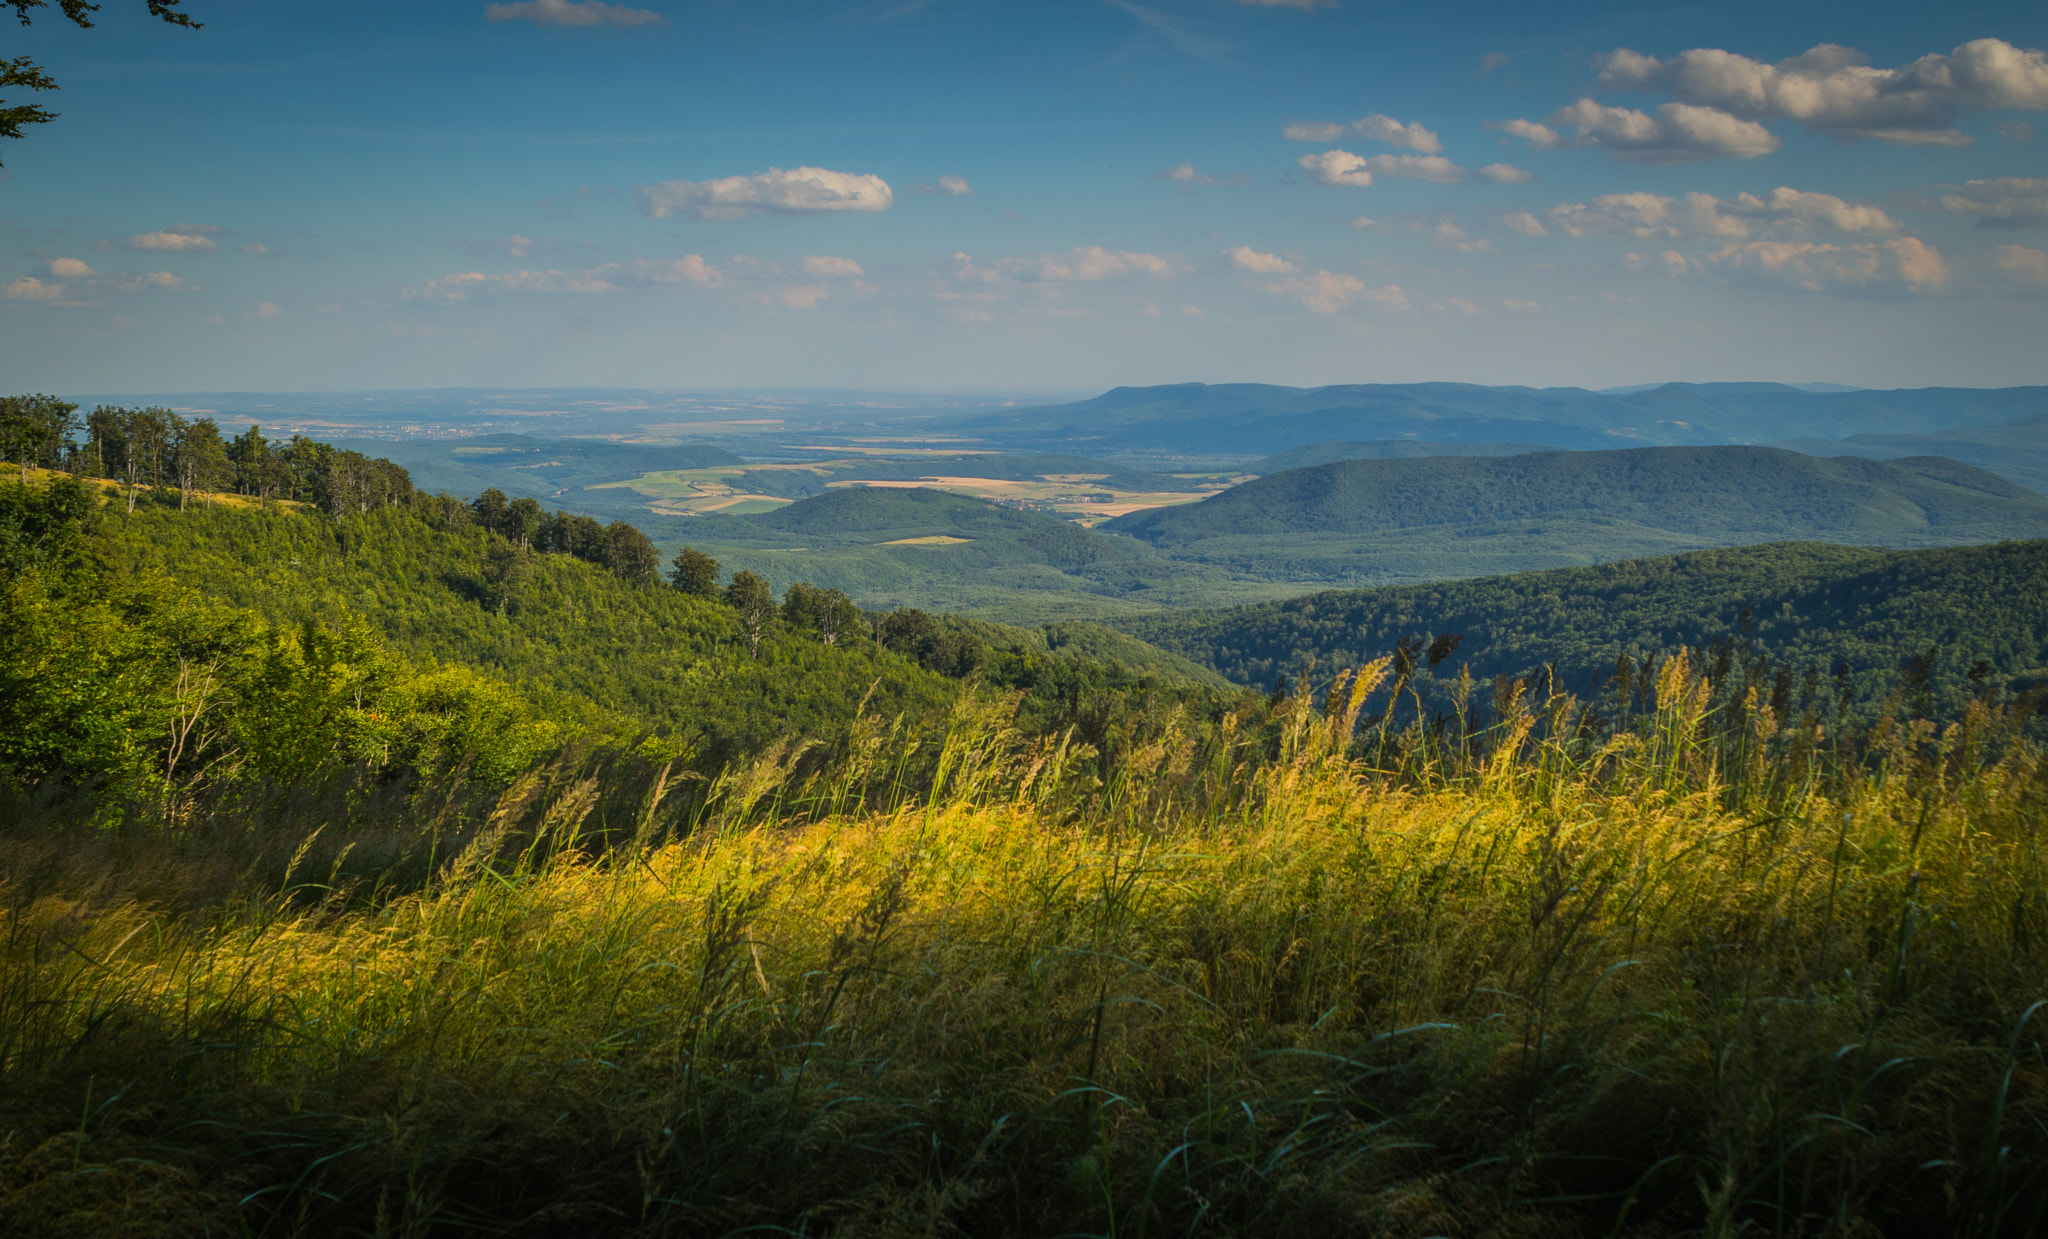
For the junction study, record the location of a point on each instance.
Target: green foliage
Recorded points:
(23, 71)
(694, 573)
(593, 650)
(1810, 607)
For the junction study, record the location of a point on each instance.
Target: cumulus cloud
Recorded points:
(257, 249)
(796, 191)
(1245, 258)
(265, 309)
(1339, 167)
(1378, 126)
(570, 13)
(2026, 265)
(1523, 222)
(29, 288)
(1831, 89)
(1412, 136)
(1816, 266)
(1783, 212)
(1495, 60)
(1185, 174)
(828, 266)
(1504, 174)
(155, 279)
(951, 186)
(2002, 202)
(182, 239)
(1325, 292)
(1678, 133)
(71, 268)
(803, 297)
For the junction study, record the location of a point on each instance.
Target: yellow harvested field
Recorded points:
(937, 539)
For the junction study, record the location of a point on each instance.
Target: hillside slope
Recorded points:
(1810, 605)
(1716, 494)
(647, 656)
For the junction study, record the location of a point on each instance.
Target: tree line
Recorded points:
(155, 448)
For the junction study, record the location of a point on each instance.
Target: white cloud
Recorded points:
(2022, 263)
(1306, 6)
(1829, 88)
(1337, 168)
(2002, 202)
(1526, 224)
(1495, 60)
(1325, 292)
(1378, 126)
(570, 13)
(1815, 266)
(1313, 131)
(1783, 212)
(1673, 263)
(796, 191)
(1412, 136)
(1416, 168)
(1186, 175)
(1678, 133)
(256, 248)
(1344, 168)
(265, 309)
(1504, 174)
(180, 240)
(1363, 222)
(951, 186)
(1245, 258)
(825, 265)
(804, 297)
(29, 288)
(156, 279)
(1521, 307)
(71, 268)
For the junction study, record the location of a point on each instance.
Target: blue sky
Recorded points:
(961, 194)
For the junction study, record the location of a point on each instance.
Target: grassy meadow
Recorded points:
(1657, 966)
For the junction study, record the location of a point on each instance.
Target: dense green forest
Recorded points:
(1952, 622)
(1384, 449)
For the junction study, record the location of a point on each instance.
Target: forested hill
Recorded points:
(1978, 615)
(1713, 494)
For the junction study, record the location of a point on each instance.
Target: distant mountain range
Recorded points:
(1251, 420)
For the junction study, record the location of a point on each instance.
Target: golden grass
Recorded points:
(1650, 986)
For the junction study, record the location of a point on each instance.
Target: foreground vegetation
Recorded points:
(1709, 974)
(310, 925)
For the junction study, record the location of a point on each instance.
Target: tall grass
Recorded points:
(1691, 971)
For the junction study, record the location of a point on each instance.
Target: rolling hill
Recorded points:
(1442, 517)
(1808, 605)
